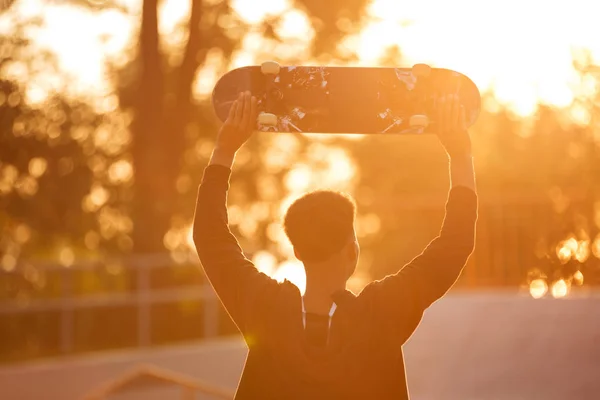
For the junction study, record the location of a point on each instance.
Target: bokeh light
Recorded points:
(560, 288)
(538, 288)
(578, 278)
(66, 256)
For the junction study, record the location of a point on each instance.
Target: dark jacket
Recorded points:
(364, 357)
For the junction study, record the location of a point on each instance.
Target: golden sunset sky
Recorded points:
(521, 50)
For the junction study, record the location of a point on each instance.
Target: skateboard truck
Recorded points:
(421, 70)
(267, 119)
(419, 121)
(270, 69)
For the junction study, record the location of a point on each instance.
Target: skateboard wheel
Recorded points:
(419, 121)
(267, 119)
(270, 67)
(421, 70)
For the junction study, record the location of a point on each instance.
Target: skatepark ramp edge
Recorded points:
(145, 376)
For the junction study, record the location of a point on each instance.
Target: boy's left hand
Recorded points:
(239, 126)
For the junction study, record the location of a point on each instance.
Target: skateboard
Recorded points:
(312, 99)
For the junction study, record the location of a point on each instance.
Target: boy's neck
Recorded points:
(319, 299)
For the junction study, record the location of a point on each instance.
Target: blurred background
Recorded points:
(106, 125)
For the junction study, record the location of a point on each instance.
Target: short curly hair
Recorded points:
(320, 223)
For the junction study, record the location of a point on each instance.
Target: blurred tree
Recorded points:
(169, 126)
(46, 162)
(166, 116)
(5, 5)
(573, 238)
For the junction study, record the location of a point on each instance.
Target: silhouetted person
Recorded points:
(330, 343)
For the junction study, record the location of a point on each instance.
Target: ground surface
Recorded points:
(469, 346)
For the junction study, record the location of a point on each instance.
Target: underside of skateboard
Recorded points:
(347, 100)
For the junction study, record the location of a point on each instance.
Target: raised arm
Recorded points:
(431, 274)
(241, 288)
(404, 296)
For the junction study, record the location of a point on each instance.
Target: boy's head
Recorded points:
(320, 226)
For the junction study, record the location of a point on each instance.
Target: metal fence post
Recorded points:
(143, 306)
(66, 313)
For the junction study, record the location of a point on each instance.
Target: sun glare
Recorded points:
(208, 74)
(292, 271)
(265, 262)
(82, 41)
(172, 14)
(295, 25)
(525, 57)
(256, 12)
(521, 55)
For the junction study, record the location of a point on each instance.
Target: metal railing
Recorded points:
(142, 297)
(506, 238)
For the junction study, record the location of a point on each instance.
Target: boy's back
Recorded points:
(362, 356)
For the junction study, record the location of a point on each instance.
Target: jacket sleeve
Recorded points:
(242, 289)
(400, 299)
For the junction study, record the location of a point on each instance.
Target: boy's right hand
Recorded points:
(452, 127)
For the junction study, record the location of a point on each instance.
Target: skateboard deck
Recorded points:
(313, 99)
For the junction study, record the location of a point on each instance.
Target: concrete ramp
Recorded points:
(498, 346)
(468, 347)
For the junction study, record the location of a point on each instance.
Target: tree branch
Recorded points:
(152, 73)
(191, 61)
